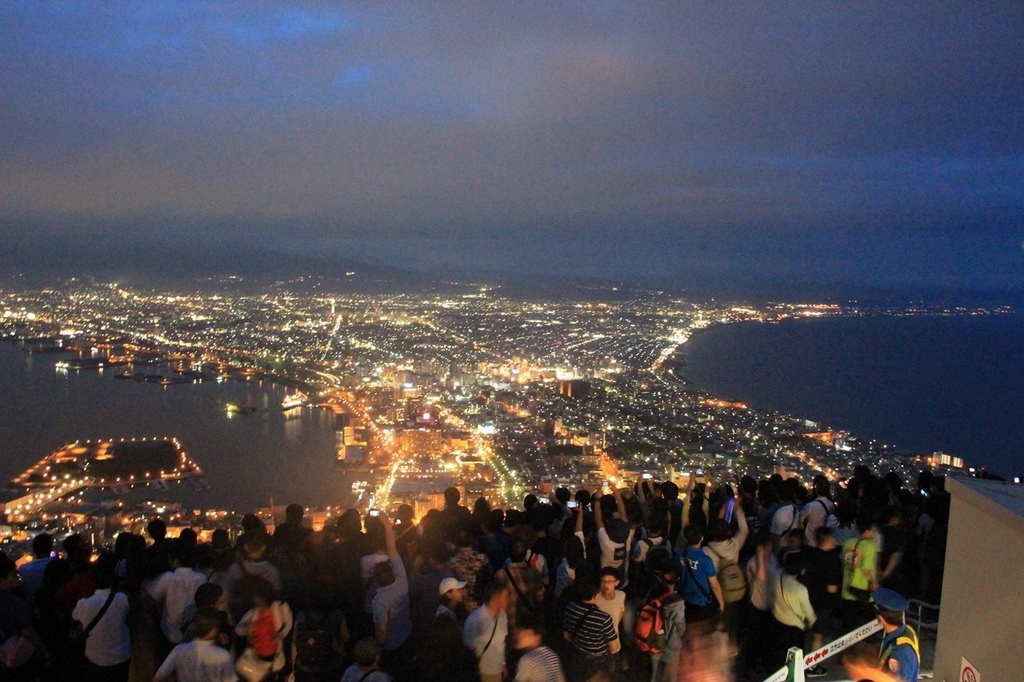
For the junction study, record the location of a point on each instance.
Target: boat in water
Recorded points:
(293, 401)
(231, 408)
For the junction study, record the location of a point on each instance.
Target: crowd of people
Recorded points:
(644, 583)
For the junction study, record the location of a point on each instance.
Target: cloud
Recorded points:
(557, 122)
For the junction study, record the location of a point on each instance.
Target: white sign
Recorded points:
(968, 673)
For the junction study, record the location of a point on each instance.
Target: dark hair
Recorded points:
(589, 586)
(156, 529)
(366, 651)
(220, 539)
(513, 518)
(609, 571)
(481, 507)
(183, 552)
(659, 559)
(189, 537)
(405, 512)
(254, 544)
(349, 524)
(293, 513)
(6, 567)
(693, 534)
(821, 533)
(103, 570)
(122, 543)
(207, 594)
(42, 545)
(494, 520)
(821, 486)
(670, 491)
(531, 620)
(251, 523)
(575, 553)
(205, 556)
(206, 620)
(493, 590)
(542, 516)
(264, 590)
(517, 551)
(793, 563)
(864, 520)
(720, 530)
(451, 496)
(383, 574)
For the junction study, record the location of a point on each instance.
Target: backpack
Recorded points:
(263, 633)
(831, 520)
(731, 578)
(649, 629)
(314, 643)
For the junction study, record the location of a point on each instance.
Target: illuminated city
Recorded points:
(497, 396)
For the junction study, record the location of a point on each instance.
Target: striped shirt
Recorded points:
(590, 628)
(540, 665)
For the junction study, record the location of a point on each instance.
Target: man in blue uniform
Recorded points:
(900, 655)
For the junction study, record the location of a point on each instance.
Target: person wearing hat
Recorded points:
(453, 593)
(900, 654)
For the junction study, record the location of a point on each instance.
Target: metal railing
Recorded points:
(923, 616)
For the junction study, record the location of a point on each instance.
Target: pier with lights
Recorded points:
(115, 465)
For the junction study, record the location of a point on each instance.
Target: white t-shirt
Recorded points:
(477, 632)
(614, 607)
(176, 590)
(614, 554)
(785, 519)
(816, 511)
(199, 661)
(390, 607)
(109, 642)
(761, 593)
(641, 548)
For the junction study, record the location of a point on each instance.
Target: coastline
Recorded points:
(910, 397)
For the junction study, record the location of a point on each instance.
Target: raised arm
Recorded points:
(389, 536)
(743, 529)
(619, 504)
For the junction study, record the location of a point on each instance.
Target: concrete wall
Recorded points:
(982, 615)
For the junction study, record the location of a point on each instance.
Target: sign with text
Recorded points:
(834, 647)
(968, 673)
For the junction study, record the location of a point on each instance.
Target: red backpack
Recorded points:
(649, 631)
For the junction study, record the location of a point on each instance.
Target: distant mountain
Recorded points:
(242, 266)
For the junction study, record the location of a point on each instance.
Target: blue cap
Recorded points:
(890, 600)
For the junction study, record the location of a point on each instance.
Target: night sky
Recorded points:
(877, 144)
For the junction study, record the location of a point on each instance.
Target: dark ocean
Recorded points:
(247, 458)
(923, 384)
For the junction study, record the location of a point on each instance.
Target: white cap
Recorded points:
(449, 584)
